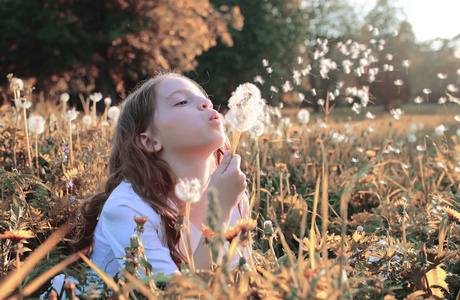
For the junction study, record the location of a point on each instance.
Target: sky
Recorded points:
(429, 18)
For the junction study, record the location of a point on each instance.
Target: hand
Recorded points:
(230, 184)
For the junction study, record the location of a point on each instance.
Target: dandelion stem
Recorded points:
(18, 266)
(27, 135)
(189, 243)
(236, 139)
(70, 144)
(36, 154)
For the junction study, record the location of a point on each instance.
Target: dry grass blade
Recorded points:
(138, 284)
(107, 279)
(40, 280)
(10, 283)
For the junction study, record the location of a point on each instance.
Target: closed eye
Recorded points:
(181, 102)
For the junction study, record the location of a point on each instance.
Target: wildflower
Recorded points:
(36, 124)
(17, 235)
(65, 97)
(370, 153)
(188, 190)
(246, 224)
(454, 216)
(140, 220)
(231, 233)
(303, 116)
(107, 101)
(208, 233)
(280, 166)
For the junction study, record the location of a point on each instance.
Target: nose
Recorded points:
(205, 103)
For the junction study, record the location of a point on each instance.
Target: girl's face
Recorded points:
(184, 118)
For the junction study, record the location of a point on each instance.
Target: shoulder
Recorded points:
(124, 203)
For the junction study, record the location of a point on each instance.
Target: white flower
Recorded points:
(303, 116)
(65, 97)
(23, 102)
(439, 130)
(36, 124)
(113, 112)
(87, 120)
(107, 101)
(418, 99)
(70, 115)
(96, 97)
(188, 190)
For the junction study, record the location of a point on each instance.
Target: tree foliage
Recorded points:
(107, 46)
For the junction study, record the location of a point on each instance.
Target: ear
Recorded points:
(149, 142)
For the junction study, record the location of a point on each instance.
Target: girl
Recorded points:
(167, 130)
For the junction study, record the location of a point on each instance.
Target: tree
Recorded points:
(107, 46)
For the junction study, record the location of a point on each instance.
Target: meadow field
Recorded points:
(344, 208)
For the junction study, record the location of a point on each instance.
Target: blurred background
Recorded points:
(300, 53)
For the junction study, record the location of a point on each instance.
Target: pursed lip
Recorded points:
(214, 116)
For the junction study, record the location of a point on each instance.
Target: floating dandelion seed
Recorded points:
(427, 92)
(439, 130)
(273, 89)
(396, 113)
(356, 108)
(188, 190)
(457, 118)
(369, 115)
(303, 116)
(265, 62)
(287, 86)
(411, 138)
(301, 97)
(321, 102)
(441, 76)
(269, 70)
(389, 56)
(297, 77)
(299, 60)
(313, 91)
(259, 79)
(452, 88)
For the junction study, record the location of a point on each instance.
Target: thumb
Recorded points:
(224, 163)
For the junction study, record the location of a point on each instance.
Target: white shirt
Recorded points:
(116, 225)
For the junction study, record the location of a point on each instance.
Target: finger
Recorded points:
(224, 163)
(234, 165)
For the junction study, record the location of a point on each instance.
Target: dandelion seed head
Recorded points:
(113, 112)
(65, 97)
(441, 75)
(301, 97)
(269, 70)
(452, 88)
(188, 190)
(70, 115)
(257, 129)
(303, 116)
(411, 138)
(107, 101)
(87, 120)
(426, 91)
(36, 124)
(439, 130)
(389, 56)
(96, 97)
(418, 99)
(23, 103)
(17, 84)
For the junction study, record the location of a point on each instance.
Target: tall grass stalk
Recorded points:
(189, 242)
(313, 223)
(26, 129)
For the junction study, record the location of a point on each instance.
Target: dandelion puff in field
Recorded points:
(23, 103)
(65, 97)
(36, 124)
(107, 101)
(426, 91)
(389, 56)
(303, 116)
(420, 148)
(188, 190)
(439, 130)
(313, 91)
(269, 70)
(17, 84)
(70, 115)
(113, 112)
(287, 86)
(442, 100)
(418, 99)
(87, 120)
(369, 115)
(265, 62)
(457, 118)
(411, 138)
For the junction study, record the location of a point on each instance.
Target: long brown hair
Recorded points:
(150, 176)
